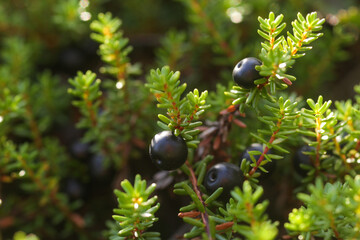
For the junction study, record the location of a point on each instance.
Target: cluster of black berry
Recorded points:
(169, 152)
(229, 175)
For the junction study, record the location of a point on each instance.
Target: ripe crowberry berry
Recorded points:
(302, 159)
(244, 73)
(74, 188)
(167, 151)
(270, 166)
(226, 175)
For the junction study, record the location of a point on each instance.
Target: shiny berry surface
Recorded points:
(244, 73)
(300, 158)
(226, 175)
(270, 166)
(167, 151)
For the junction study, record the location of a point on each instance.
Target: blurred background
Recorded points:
(44, 43)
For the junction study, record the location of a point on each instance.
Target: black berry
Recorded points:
(74, 188)
(98, 165)
(80, 150)
(270, 166)
(167, 151)
(300, 158)
(244, 73)
(226, 175)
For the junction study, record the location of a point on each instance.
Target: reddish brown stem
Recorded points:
(272, 139)
(176, 116)
(204, 215)
(261, 158)
(249, 209)
(192, 115)
(89, 106)
(298, 45)
(333, 227)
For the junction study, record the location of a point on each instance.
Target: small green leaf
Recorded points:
(280, 149)
(164, 119)
(125, 231)
(264, 35)
(180, 192)
(128, 188)
(214, 195)
(263, 22)
(278, 20)
(311, 103)
(196, 231)
(188, 208)
(194, 222)
(162, 125)
(202, 173)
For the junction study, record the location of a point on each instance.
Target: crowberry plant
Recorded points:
(176, 150)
